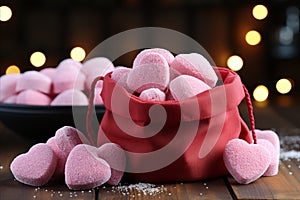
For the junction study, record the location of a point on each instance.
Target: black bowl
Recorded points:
(38, 123)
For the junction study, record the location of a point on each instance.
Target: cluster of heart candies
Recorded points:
(68, 155)
(157, 75)
(67, 84)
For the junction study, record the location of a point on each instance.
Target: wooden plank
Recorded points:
(282, 186)
(10, 189)
(212, 189)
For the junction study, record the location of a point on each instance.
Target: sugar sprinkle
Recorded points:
(141, 189)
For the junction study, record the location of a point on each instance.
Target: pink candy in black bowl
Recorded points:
(38, 123)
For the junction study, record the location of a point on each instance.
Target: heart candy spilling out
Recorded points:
(68, 155)
(67, 84)
(157, 75)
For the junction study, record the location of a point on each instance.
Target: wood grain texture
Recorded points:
(282, 186)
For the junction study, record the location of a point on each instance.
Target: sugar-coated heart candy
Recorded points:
(85, 169)
(196, 65)
(185, 86)
(61, 159)
(8, 84)
(272, 137)
(33, 80)
(140, 57)
(66, 78)
(33, 97)
(246, 162)
(115, 156)
(151, 58)
(274, 163)
(50, 72)
(65, 139)
(153, 94)
(120, 75)
(94, 67)
(70, 97)
(35, 167)
(67, 63)
(149, 75)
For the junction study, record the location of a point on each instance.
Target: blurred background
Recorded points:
(257, 39)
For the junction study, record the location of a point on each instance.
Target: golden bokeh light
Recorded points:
(260, 12)
(235, 62)
(13, 69)
(37, 59)
(261, 93)
(5, 13)
(253, 37)
(284, 86)
(78, 54)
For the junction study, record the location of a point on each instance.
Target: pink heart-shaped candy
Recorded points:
(273, 138)
(116, 158)
(65, 139)
(84, 169)
(35, 167)
(152, 73)
(246, 162)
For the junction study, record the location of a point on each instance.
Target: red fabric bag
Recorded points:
(185, 140)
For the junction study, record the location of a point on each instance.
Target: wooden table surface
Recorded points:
(286, 185)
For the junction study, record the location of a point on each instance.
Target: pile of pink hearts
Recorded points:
(67, 84)
(248, 162)
(157, 75)
(68, 155)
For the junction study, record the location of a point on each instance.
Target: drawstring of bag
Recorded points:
(250, 113)
(89, 128)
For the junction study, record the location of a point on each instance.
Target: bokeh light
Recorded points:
(260, 12)
(37, 59)
(261, 93)
(13, 69)
(284, 86)
(5, 13)
(78, 54)
(253, 37)
(235, 62)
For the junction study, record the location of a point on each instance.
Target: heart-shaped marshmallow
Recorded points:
(35, 167)
(165, 53)
(8, 84)
(185, 86)
(70, 97)
(246, 162)
(68, 77)
(274, 163)
(272, 137)
(33, 80)
(120, 75)
(97, 66)
(85, 169)
(196, 65)
(33, 97)
(153, 73)
(65, 139)
(153, 94)
(116, 158)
